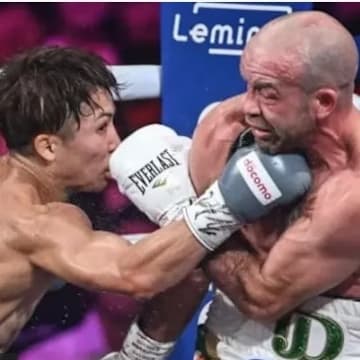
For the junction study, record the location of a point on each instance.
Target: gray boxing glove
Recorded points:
(254, 182)
(251, 184)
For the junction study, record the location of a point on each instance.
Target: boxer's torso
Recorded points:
(22, 285)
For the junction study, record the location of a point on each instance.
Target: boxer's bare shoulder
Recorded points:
(59, 238)
(334, 209)
(213, 140)
(28, 221)
(43, 224)
(54, 238)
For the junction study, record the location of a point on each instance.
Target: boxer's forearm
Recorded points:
(224, 266)
(232, 268)
(162, 259)
(166, 315)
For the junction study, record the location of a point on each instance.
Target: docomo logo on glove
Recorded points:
(258, 179)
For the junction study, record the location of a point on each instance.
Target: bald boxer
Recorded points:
(288, 285)
(56, 115)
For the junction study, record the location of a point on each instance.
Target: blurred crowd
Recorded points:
(71, 323)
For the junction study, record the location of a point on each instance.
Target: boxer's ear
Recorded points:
(45, 146)
(324, 102)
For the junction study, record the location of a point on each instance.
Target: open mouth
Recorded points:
(260, 133)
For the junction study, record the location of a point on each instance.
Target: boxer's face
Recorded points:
(276, 107)
(82, 160)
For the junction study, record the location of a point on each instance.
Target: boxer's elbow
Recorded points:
(271, 300)
(265, 307)
(131, 282)
(269, 313)
(140, 284)
(270, 310)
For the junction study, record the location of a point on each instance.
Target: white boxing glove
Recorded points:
(151, 168)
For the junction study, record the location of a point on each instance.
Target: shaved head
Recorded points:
(300, 72)
(310, 46)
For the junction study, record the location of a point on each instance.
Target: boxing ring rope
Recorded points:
(138, 81)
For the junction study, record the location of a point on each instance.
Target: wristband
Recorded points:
(139, 346)
(209, 219)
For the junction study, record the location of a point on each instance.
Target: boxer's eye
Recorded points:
(268, 93)
(102, 127)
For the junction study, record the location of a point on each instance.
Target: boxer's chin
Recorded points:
(269, 147)
(100, 186)
(95, 187)
(275, 145)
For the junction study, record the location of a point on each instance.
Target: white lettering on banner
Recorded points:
(221, 36)
(258, 179)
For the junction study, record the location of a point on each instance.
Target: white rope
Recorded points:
(138, 81)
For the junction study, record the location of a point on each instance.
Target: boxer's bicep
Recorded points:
(94, 263)
(65, 245)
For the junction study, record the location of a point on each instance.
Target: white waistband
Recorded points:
(350, 309)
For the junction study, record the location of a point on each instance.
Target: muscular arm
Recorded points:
(60, 240)
(312, 256)
(213, 140)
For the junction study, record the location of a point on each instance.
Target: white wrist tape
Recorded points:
(175, 212)
(209, 219)
(138, 346)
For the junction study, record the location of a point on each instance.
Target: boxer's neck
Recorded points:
(46, 186)
(334, 144)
